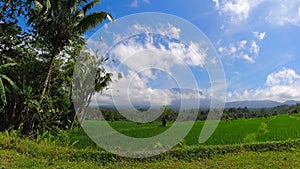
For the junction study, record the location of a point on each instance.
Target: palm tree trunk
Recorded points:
(84, 113)
(73, 122)
(49, 72)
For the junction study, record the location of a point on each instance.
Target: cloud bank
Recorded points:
(279, 86)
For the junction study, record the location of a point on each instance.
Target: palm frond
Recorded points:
(48, 5)
(90, 5)
(7, 65)
(71, 4)
(13, 84)
(2, 93)
(91, 21)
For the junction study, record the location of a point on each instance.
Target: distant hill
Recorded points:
(291, 102)
(205, 103)
(259, 103)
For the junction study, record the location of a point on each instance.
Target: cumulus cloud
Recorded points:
(137, 55)
(278, 12)
(163, 29)
(133, 89)
(247, 50)
(241, 50)
(236, 10)
(284, 77)
(279, 86)
(287, 12)
(143, 58)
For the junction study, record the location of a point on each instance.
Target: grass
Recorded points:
(277, 128)
(16, 152)
(240, 160)
(13, 159)
(28, 154)
(234, 144)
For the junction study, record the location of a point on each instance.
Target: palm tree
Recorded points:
(82, 78)
(7, 79)
(61, 23)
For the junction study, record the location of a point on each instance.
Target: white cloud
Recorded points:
(287, 12)
(241, 50)
(133, 89)
(179, 53)
(277, 12)
(248, 58)
(279, 86)
(163, 29)
(217, 3)
(195, 55)
(283, 77)
(255, 49)
(139, 57)
(242, 44)
(135, 3)
(238, 9)
(259, 35)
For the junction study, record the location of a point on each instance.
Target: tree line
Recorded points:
(168, 114)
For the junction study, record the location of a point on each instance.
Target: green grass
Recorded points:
(272, 160)
(242, 143)
(277, 128)
(23, 153)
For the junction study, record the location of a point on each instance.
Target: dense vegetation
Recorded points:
(112, 114)
(40, 42)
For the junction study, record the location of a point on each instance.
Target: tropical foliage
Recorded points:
(37, 62)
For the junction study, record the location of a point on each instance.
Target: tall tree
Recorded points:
(83, 76)
(167, 115)
(61, 22)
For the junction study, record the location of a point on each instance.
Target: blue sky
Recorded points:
(257, 40)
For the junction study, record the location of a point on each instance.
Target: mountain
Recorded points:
(253, 104)
(259, 103)
(291, 102)
(205, 103)
(191, 97)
